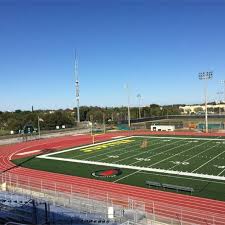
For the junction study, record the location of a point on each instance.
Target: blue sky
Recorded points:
(157, 47)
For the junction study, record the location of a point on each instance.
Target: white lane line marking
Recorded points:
(29, 152)
(117, 137)
(74, 135)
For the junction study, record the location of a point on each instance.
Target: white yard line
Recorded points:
(158, 161)
(194, 156)
(162, 146)
(184, 138)
(152, 149)
(208, 161)
(128, 137)
(86, 146)
(138, 168)
(126, 176)
(220, 172)
(112, 150)
(177, 154)
(162, 153)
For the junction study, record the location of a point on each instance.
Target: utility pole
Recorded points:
(91, 119)
(205, 76)
(139, 105)
(39, 130)
(77, 88)
(128, 105)
(219, 93)
(223, 83)
(39, 127)
(103, 120)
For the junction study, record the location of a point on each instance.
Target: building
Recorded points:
(162, 127)
(190, 109)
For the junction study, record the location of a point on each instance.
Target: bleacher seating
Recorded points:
(178, 188)
(169, 186)
(153, 183)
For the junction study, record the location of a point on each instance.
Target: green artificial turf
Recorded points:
(199, 156)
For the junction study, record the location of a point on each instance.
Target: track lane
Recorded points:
(206, 205)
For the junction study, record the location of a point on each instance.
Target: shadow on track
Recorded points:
(44, 151)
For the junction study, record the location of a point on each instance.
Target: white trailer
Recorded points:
(162, 127)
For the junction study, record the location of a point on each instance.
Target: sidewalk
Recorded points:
(43, 136)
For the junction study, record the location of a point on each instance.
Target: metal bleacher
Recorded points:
(169, 186)
(18, 209)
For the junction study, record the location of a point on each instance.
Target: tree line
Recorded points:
(110, 115)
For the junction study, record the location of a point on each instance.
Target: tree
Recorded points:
(198, 109)
(155, 110)
(18, 111)
(14, 124)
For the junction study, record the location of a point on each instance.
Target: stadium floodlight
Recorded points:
(223, 83)
(219, 93)
(139, 105)
(205, 76)
(128, 104)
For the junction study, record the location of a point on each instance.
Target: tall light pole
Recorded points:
(77, 88)
(205, 76)
(91, 119)
(39, 128)
(219, 93)
(128, 104)
(139, 105)
(223, 83)
(103, 121)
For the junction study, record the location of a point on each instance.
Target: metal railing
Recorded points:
(92, 200)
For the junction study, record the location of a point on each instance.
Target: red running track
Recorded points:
(192, 207)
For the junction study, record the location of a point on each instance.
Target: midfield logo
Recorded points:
(107, 173)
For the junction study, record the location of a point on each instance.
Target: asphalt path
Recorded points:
(61, 133)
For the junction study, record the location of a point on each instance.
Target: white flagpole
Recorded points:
(39, 130)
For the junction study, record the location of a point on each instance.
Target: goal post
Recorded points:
(144, 144)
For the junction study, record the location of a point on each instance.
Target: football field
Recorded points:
(197, 163)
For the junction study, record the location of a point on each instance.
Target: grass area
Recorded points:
(4, 132)
(196, 156)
